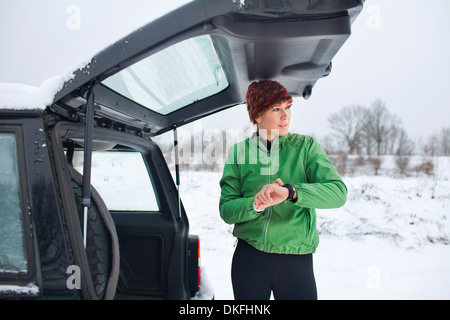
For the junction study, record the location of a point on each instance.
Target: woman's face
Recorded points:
(275, 121)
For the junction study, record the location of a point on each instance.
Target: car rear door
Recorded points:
(131, 177)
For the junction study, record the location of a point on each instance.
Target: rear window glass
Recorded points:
(121, 179)
(174, 77)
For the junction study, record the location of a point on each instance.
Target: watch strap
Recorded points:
(291, 191)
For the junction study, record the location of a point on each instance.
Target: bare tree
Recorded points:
(394, 135)
(367, 141)
(445, 141)
(348, 125)
(379, 125)
(405, 148)
(438, 144)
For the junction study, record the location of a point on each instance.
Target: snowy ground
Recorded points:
(390, 241)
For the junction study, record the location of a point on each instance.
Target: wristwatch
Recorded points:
(291, 191)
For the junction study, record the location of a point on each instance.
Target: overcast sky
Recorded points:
(398, 52)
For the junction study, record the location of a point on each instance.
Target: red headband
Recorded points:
(272, 99)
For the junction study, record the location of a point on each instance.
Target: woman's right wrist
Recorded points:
(254, 208)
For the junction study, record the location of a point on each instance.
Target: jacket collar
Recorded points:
(262, 143)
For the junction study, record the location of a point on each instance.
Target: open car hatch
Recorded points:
(204, 56)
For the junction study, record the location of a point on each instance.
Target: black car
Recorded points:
(88, 206)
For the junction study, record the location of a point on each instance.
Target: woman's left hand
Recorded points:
(271, 194)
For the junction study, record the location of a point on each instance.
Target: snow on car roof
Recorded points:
(19, 96)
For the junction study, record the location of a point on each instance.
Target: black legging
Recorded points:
(255, 274)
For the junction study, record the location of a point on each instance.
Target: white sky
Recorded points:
(398, 52)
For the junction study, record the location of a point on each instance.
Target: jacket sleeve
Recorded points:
(325, 188)
(233, 206)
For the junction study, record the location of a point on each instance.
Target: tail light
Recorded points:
(199, 264)
(194, 267)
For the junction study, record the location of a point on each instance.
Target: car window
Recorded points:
(174, 77)
(121, 179)
(12, 243)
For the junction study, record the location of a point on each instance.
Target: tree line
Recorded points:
(375, 131)
(368, 132)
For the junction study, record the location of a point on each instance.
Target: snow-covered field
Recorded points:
(390, 240)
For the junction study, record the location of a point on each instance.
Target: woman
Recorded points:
(271, 185)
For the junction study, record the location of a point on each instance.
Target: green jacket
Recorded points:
(289, 227)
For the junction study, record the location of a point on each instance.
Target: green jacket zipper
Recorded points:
(269, 209)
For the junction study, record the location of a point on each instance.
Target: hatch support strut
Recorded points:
(89, 127)
(177, 167)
